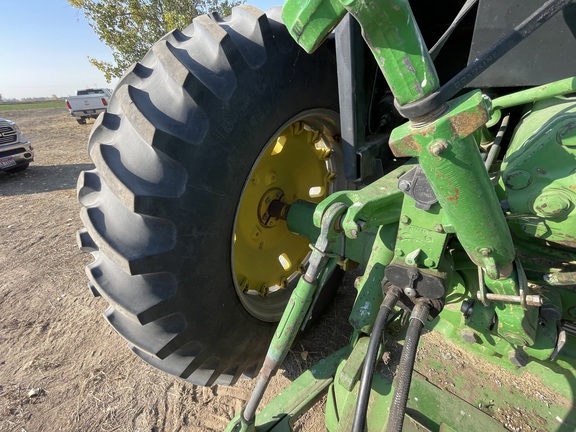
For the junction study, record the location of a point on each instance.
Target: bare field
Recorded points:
(62, 368)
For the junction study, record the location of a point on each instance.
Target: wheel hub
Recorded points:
(266, 219)
(295, 165)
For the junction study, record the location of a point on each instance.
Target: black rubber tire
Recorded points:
(81, 120)
(182, 132)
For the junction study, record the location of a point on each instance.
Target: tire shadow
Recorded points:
(41, 178)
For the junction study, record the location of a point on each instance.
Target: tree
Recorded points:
(130, 27)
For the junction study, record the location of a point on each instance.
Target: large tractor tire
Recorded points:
(214, 123)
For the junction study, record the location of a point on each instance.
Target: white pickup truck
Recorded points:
(88, 103)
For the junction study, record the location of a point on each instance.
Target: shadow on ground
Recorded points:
(41, 178)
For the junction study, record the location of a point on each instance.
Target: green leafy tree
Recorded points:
(130, 27)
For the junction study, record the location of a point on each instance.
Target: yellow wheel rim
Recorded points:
(297, 164)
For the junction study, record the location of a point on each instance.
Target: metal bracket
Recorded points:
(415, 184)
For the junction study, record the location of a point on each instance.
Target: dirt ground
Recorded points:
(62, 368)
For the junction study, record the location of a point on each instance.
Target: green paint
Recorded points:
(543, 92)
(310, 21)
(417, 232)
(299, 219)
(369, 286)
(388, 27)
(449, 156)
(377, 204)
(392, 35)
(516, 325)
(538, 173)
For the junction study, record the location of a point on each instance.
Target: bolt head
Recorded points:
(436, 148)
(484, 251)
(404, 185)
(410, 292)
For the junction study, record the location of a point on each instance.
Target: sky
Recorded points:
(45, 45)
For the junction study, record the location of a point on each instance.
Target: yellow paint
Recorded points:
(293, 166)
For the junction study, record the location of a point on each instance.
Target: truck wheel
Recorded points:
(216, 121)
(81, 121)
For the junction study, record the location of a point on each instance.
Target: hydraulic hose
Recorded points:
(406, 366)
(370, 359)
(495, 149)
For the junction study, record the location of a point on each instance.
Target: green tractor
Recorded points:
(247, 162)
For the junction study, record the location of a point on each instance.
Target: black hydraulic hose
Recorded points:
(370, 359)
(463, 12)
(406, 366)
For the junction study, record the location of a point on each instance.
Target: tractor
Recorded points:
(248, 162)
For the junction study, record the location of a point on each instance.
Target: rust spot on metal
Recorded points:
(455, 197)
(465, 123)
(409, 145)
